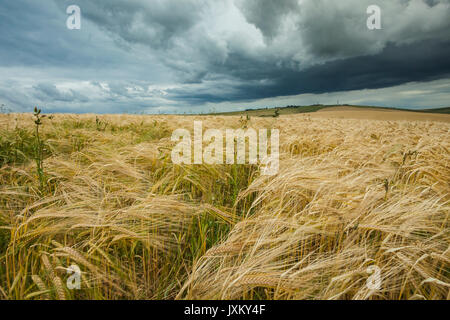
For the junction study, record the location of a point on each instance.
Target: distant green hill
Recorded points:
(270, 112)
(440, 110)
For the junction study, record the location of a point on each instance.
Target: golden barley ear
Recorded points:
(41, 286)
(57, 283)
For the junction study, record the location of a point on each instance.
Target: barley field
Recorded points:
(101, 192)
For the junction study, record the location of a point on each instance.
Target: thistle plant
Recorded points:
(39, 148)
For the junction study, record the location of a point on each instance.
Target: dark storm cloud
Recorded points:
(302, 35)
(45, 91)
(424, 61)
(169, 54)
(267, 15)
(146, 22)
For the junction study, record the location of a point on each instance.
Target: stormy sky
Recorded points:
(183, 56)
